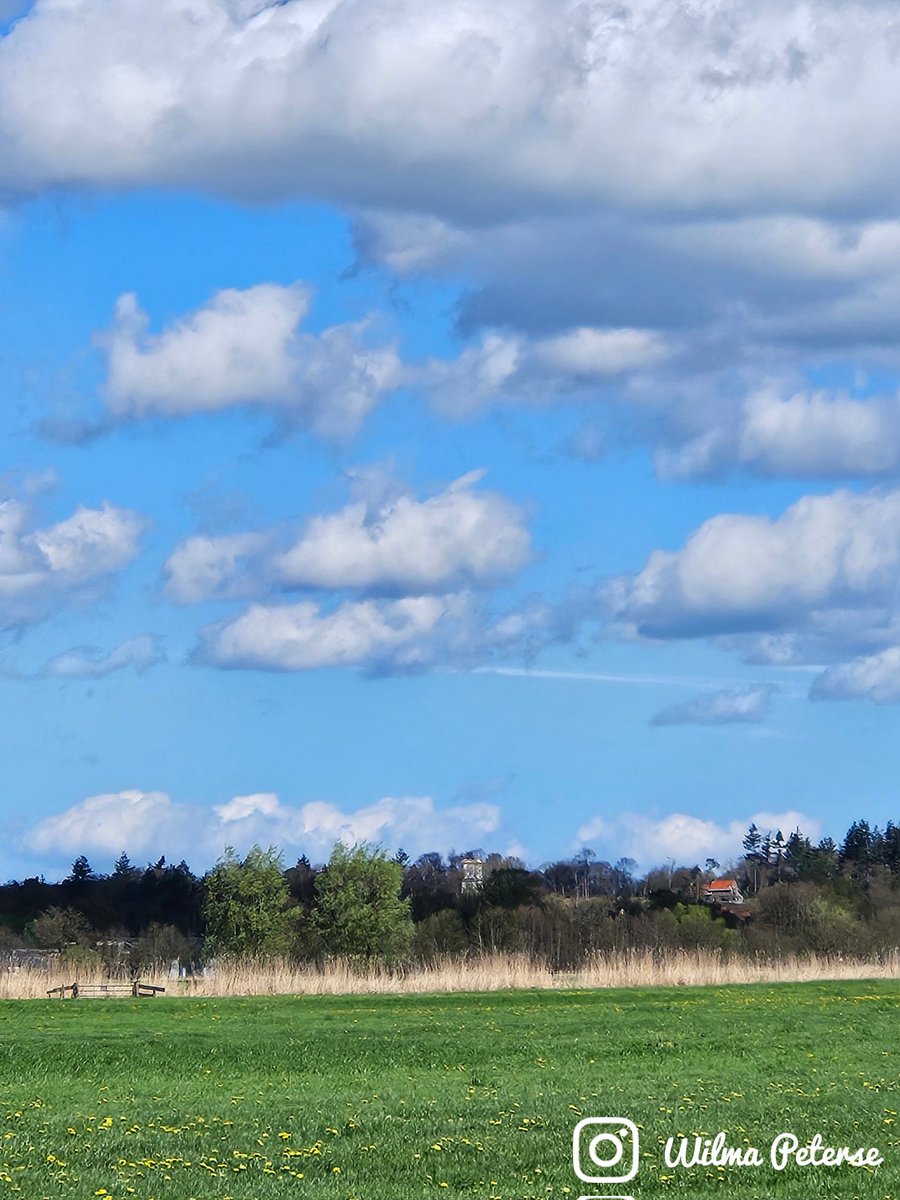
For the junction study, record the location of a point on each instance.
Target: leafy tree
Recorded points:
(358, 911)
(157, 946)
(58, 928)
(246, 905)
(512, 887)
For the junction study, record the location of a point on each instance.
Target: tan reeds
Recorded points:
(692, 968)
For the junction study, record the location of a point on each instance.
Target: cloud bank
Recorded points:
(152, 823)
(686, 839)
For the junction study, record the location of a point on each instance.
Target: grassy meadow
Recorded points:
(384, 1097)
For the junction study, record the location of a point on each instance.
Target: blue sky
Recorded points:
(450, 426)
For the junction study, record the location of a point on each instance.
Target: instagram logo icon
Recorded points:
(605, 1150)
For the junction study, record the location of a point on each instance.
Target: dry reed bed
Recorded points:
(484, 974)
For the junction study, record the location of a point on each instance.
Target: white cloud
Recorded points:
(729, 706)
(301, 637)
(409, 244)
(598, 353)
(607, 181)
(151, 824)
(829, 564)
(91, 542)
(875, 677)
(410, 634)
(801, 435)
(816, 434)
(503, 368)
(457, 536)
(531, 103)
(412, 822)
(41, 568)
(86, 662)
(684, 838)
(212, 567)
(245, 348)
(108, 823)
(386, 541)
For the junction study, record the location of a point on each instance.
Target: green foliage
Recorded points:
(246, 905)
(358, 911)
(512, 887)
(441, 935)
(58, 928)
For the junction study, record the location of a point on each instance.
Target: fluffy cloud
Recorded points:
(245, 348)
(412, 822)
(458, 536)
(107, 823)
(829, 565)
(399, 544)
(503, 368)
(726, 707)
(410, 634)
(41, 568)
(801, 434)
(151, 823)
(206, 567)
(608, 181)
(686, 839)
(875, 677)
(530, 102)
(86, 662)
(301, 637)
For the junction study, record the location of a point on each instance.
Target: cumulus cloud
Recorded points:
(606, 180)
(41, 568)
(410, 634)
(245, 348)
(829, 564)
(726, 707)
(686, 839)
(107, 823)
(151, 824)
(802, 434)
(503, 368)
(875, 677)
(208, 567)
(458, 536)
(412, 822)
(530, 102)
(301, 637)
(86, 662)
(386, 541)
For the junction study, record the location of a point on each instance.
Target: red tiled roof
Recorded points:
(722, 885)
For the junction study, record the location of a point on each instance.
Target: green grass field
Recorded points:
(384, 1098)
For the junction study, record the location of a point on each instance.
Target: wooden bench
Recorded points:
(104, 991)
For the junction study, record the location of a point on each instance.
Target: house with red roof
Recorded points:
(723, 891)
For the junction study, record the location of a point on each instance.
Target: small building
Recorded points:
(723, 891)
(472, 875)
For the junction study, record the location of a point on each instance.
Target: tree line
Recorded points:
(366, 905)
